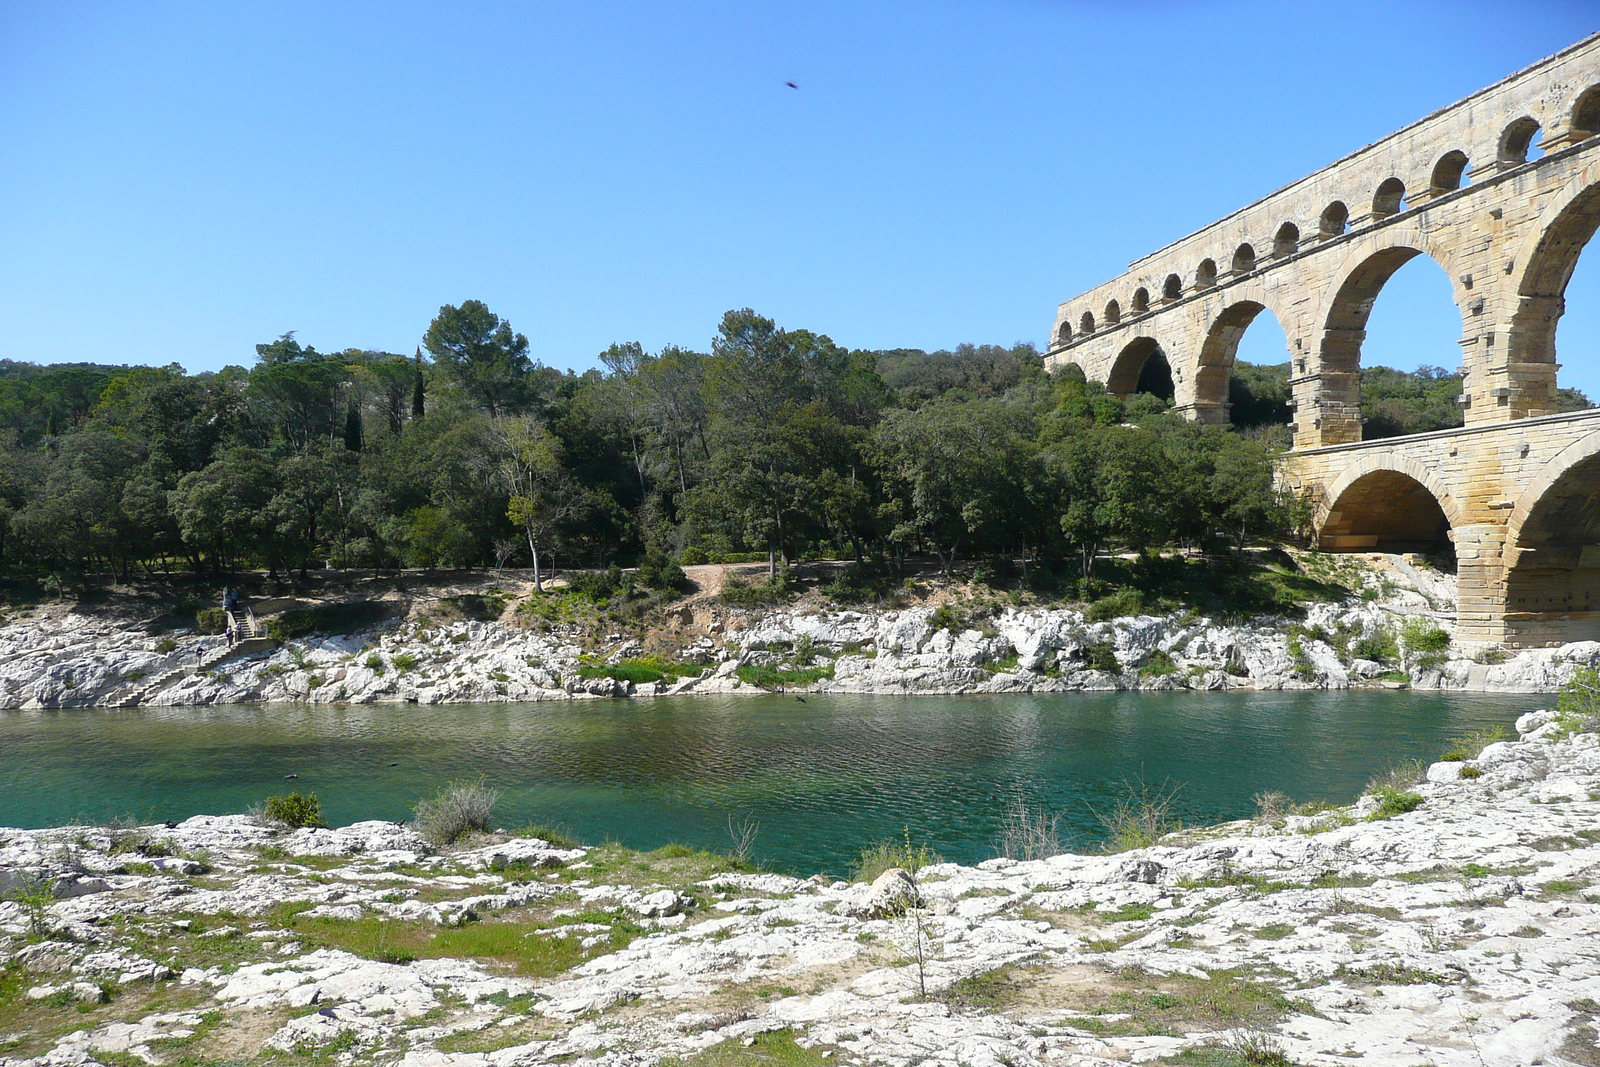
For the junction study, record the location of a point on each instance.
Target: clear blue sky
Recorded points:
(184, 181)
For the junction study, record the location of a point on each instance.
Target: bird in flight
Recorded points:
(791, 85)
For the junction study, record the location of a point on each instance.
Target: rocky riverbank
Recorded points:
(1455, 924)
(1396, 633)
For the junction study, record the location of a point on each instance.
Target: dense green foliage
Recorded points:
(777, 444)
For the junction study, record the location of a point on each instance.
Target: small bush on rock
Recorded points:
(294, 811)
(1392, 802)
(459, 809)
(211, 620)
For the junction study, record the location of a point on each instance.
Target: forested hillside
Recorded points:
(469, 452)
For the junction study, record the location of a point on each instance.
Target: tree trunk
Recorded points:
(772, 564)
(538, 579)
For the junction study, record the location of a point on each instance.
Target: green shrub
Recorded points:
(165, 645)
(1392, 802)
(693, 556)
(945, 617)
(1469, 771)
(1101, 657)
(295, 811)
(404, 661)
(326, 618)
(1422, 636)
(1158, 665)
(375, 663)
(1378, 646)
(211, 620)
(660, 571)
(1122, 603)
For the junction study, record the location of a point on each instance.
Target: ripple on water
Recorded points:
(823, 777)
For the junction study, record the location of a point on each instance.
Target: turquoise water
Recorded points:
(823, 777)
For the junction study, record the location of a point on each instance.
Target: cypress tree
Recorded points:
(353, 436)
(417, 404)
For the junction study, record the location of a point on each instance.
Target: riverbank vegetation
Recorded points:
(776, 445)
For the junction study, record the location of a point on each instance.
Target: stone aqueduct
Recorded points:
(1517, 489)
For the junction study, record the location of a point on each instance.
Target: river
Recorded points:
(822, 776)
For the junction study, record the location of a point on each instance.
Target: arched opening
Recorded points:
(1516, 143)
(1416, 322)
(1086, 324)
(1553, 583)
(1172, 288)
(1113, 313)
(1244, 259)
(1335, 217)
(1141, 367)
(1448, 171)
(1206, 275)
(1287, 241)
(1141, 300)
(1063, 332)
(1387, 511)
(1586, 115)
(1559, 291)
(1389, 199)
(1244, 373)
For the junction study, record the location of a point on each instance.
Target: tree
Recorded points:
(543, 498)
(487, 359)
(222, 509)
(959, 468)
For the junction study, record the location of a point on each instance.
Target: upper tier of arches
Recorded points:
(1432, 159)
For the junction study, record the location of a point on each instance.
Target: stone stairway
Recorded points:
(250, 637)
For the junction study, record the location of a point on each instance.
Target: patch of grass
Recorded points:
(780, 678)
(775, 1048)
(640, 670)
(1399, 777)
(886, 855)
(990, 991)
(1274, 932)
(518, 946)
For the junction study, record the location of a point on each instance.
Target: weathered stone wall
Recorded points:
(1506, 230)
(1525, 578)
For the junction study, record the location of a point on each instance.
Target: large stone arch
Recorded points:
(1386, 502)
(1342, 322)
(1552, 574)
(1218, 350)
(1546, 257)
(1131, 364)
